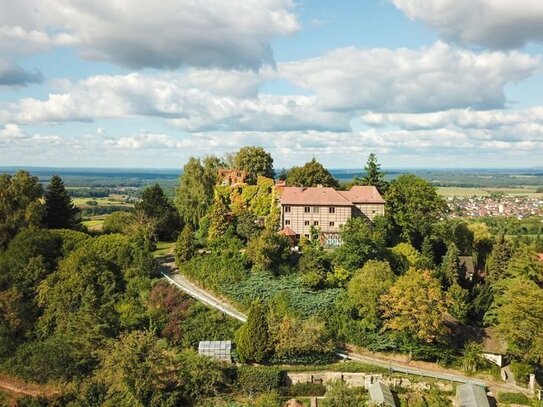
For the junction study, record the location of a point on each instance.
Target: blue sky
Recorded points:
(433, 83)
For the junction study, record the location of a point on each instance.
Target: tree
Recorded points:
(413, 206)
(366, 288)
(360, 244)
(20, 204)
(247, 225)
(156, 206)
(450, 270)
(218, 219)
(482, 242)
(255, 161)
(427, 261)
(60, 211)
(117, 222)
(185, 247)
(415, 305)
(195, 192)
(520, 319)
(409, 253)
(524, 263)
(460, 306)
(314, 265)
(268, 251)
(311, 174)
(498, 260)
(253, 338)
(373, 175)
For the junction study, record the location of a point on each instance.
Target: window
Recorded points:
(287, 222)
(331, 223)
(315, 209)
(306, 236)
(316, 223)
(307, 209)
(306, 223)
(331, 210)
(287, 209)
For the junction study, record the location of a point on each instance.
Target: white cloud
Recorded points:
(11, 132)
(403, 80)
(147, 33)
(489, 23)
(192, 102)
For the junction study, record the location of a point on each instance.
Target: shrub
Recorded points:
(521, 371)
(253, 380)
(514, 398)
(306, 390)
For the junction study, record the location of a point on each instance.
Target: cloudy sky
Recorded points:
(146, 83)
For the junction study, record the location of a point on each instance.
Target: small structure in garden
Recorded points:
(218, 350)
(494, 348)
(471, 395)
(381, 395)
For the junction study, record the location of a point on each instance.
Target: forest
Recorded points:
(87, 314)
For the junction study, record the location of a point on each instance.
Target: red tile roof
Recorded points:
(287, 232)
(363, 194)
(329, 196)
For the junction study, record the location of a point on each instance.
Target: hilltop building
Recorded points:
(229, 177)
(327, 209)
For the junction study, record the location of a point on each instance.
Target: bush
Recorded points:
(253, 380)
(514, 398)
(305, 390)
(521, 372)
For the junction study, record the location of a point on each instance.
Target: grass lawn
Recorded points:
(163, 249)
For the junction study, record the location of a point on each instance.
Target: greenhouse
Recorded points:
(218, 350)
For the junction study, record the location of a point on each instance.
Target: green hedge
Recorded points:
(304, 390)
(515, 398)
(253, 380)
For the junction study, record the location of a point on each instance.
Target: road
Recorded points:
(171, 273)
(169, 270)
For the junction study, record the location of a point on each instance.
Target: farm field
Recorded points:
(112, 200)
(469, 191)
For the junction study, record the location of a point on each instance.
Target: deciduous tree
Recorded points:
(156, 206)
(256, 161)
(311, 174)
(415, 305)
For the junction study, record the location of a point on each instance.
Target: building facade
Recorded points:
(327, 209)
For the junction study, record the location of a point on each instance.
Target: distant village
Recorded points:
(496, 205)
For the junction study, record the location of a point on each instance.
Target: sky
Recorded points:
(147, 84)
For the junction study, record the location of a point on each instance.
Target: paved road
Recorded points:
(169, 270)
(171, 273)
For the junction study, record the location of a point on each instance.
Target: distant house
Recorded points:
(471, 395)
(380, 395)
(218, 350)
(494, 348)
(327, 209)
(228, 177)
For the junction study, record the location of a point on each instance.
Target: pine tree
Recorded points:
(253, 338)
(427, 261)
(450, 267)
(496, 265)
(374, 176)
(60, 211)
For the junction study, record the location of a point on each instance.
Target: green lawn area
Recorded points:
(163, 248)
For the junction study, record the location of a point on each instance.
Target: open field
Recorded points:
(112, 200)
(469, 191)
(94, 224)
(163, 249)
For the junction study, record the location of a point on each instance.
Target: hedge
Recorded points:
(253, 380)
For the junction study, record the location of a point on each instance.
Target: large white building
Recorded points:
(327, 209)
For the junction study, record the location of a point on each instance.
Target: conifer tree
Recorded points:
(218, 219)
(450, 267)
(427, 261)
(374, 176)
(253, 338)
(496, 266)
(60, 211)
